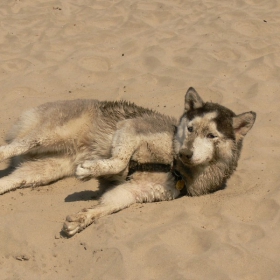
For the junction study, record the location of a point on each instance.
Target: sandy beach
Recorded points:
(150, 53)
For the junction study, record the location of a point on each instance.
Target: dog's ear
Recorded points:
(192, 100)
(243, 123)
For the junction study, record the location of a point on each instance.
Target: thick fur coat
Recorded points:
(100, 139)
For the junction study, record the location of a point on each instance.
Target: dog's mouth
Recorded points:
(189, 161)
(186, 162)
(194, 163)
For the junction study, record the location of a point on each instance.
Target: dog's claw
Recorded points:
(71, 228)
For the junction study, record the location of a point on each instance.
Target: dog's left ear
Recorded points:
(192, 100)
(243, 123)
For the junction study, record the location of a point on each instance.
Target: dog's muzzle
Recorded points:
(185, 156)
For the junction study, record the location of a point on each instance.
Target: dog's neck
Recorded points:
(201, 180)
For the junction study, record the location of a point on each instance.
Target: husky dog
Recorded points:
(139, 154)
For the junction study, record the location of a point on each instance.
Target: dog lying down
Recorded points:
(139, 154)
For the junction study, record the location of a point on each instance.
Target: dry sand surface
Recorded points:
(148, 52)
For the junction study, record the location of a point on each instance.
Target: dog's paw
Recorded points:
(75, 223)
(84, 170)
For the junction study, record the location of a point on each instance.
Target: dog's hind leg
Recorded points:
(16, 148)
(38, 172)
(24, 136)
(160, 188)
(45, 129)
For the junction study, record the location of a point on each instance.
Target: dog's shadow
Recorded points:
(88, 195)
(83, 196)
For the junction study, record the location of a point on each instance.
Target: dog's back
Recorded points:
(84, 129)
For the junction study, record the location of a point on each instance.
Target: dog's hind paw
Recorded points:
(75, 223)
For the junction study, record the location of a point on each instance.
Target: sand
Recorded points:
(148, 52)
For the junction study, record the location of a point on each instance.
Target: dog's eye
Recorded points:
(190, 129)
(211, 136)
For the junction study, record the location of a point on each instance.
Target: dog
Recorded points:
(138, 154)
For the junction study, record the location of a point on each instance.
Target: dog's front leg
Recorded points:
(112, 201)
(125, 142)
(120, 197)
(101, 167)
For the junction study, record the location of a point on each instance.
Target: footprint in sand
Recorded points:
(148, 6)
(259, 70)
(247, 28)
(226, 54)
(250, 210)
(182, 61)
(96, 63)
(15, 65)
(244, 233)
(266, 210)
(227, 258)
(151, 63)
(197, 241)
(108, 264)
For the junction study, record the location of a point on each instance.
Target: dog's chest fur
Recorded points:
(155, 148)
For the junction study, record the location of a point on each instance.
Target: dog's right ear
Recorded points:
(192, 100)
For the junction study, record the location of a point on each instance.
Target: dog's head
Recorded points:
(209, 133)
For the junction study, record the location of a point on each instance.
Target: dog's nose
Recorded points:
(185, 154)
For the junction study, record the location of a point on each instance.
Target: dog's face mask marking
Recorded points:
(209, 132)
(199, 136)
(198, 139)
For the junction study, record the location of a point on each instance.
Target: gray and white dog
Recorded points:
(140, 154)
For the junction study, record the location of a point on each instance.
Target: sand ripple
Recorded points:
(148, 52)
